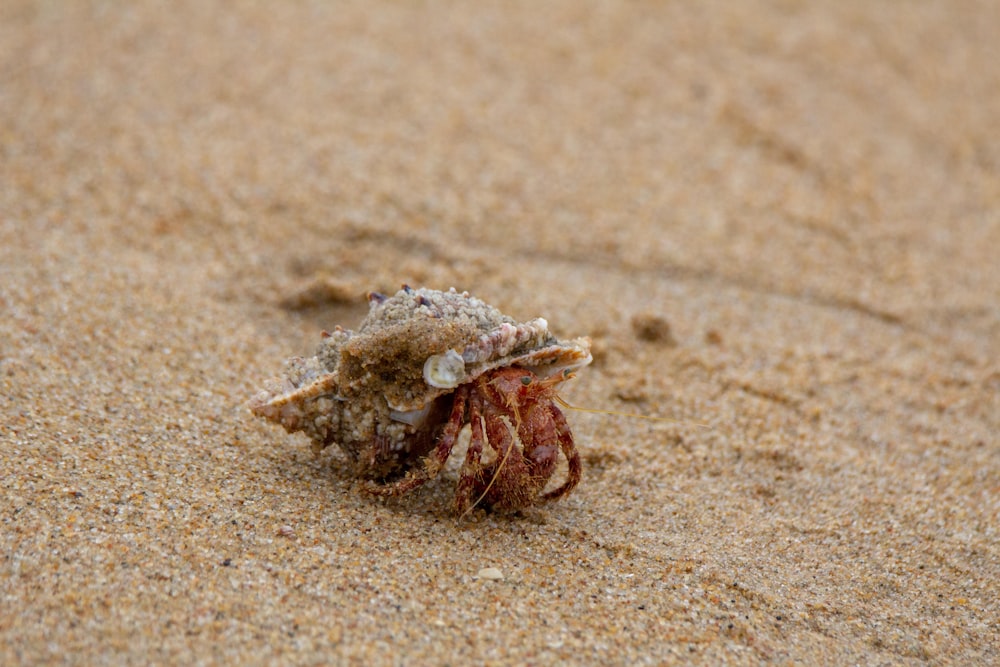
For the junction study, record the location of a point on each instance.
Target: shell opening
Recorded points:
(445, 371)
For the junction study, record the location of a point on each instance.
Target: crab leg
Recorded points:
(473, 465)
(435, 460)
(575, 471)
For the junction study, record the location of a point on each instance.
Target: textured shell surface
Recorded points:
(412, 348)
(421, 343)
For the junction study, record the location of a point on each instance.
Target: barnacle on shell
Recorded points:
(445, 371)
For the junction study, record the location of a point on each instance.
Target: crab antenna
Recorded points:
(562, 402)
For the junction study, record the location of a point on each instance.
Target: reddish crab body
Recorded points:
(396, 395)
(517, 433)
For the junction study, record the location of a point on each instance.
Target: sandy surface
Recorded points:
(806, 194)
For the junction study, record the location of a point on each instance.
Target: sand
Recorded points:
(776, 219)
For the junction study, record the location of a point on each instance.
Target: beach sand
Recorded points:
(780, 220)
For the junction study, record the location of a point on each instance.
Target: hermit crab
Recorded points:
(396, 394)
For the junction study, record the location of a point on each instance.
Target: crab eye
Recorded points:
(525, 380)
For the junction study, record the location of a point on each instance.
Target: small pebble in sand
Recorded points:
(713, 337)
(491, 573)
(652, 328)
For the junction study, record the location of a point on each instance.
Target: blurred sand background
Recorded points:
(781, 219)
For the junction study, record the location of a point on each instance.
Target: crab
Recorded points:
(396, 395)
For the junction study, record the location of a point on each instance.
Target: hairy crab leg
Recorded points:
(507, 447)
(435, 460)
(569, 450)
(473, 463)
